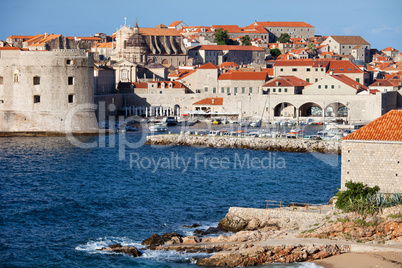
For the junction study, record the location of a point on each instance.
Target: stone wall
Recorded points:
(373, 163)
(270, 144)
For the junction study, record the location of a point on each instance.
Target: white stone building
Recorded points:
(373, 154)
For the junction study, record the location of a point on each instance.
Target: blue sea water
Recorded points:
(60, 202)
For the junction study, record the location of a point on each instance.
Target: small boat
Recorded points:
(244, 123)
(255, 123)
(169, 121)
(157, 128)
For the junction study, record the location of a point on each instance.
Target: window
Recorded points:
(243, 90)
(322, 69)
(308, 80)
(348, 69)
(344, 47)
(286, 90)
(281, 69)
(268, 90)
(326, 86)
(316, 69)
(235, 90)
(332, 86)
(214, 90)
(316, 80)
(358, 80)
(250, 90)
(36, 80)
(228, 90)
(70, 80)
(279, 90)
(124, 75)
(274, 89)
(160, 92)
(36, 98)
(222, 90)
(70, 98)
(1, 80)
(341, 69)
(205, 89)
(294, 69)
(308, 69)
(319, 86)
(69, 62)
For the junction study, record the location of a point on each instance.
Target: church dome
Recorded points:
(136, 40)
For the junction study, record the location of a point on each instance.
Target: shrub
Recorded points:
(355, 197)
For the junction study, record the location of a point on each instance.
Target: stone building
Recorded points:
(46, 91)
(294, 29)
(335, 85)
(373, 154)
(150, 45)
(355, 46)
(219, 54)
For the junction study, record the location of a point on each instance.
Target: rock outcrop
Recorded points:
(252, 255)
(117, 248)
(156, 240)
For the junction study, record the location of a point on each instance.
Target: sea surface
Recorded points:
(62, 199)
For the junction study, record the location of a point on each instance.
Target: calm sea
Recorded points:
(60, 202)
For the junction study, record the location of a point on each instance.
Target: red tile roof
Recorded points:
(208, 66)
(9, 48)
(350, 82)
(20, 37)
(385, 128)
(175, 23)
(397, 66)
(385, 83)
(228, 65)
(302, 62)
(225, 47)
(244, 76)
(84, 38)
(287, 81)
(159, 32)
(390, 49)
(343, 66)
(209, 101)
(352, 40)
(283, 24)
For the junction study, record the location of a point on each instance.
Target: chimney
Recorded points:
(277, 83)
(46, 35)
(213, 101)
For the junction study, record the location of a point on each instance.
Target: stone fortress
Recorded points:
(41, 92)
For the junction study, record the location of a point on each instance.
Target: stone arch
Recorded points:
(285, 109)
(336, 109)
(176, 110)
(310, 109)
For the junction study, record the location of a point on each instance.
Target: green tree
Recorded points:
(284, 38)
(245, 40)
(313, 50)
(221, 36)
(275, 52)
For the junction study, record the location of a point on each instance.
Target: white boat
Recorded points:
(244, 123)
(169, 121)
(157, 128)
(255, 123)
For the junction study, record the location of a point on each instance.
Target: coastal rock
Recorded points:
(257, 255)
(209, 231)
(233, 223)
(156, 240)
(195, 225)
(191, 240)
(117, 248)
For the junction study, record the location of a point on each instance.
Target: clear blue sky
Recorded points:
(379, 22)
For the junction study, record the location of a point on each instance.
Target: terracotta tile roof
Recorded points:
(226, 47)
(196, 29)
(209, 101)
(159, 32)
(287, 81)
(390, 49)
(20, 37)
(343, 66)
(105, 45)
(269, 71)
(208, 66)
(228, 65)
(283, 24)
(175, 84)
(350, 82)
(385, 128)
(352, 40)
(175, 23)
(244, 30)
(9, 48)
(397, 66)
(384, 83)
(244, 76)
(42, 40)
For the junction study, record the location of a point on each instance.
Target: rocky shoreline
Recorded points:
(285, 235)
(269, 144)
